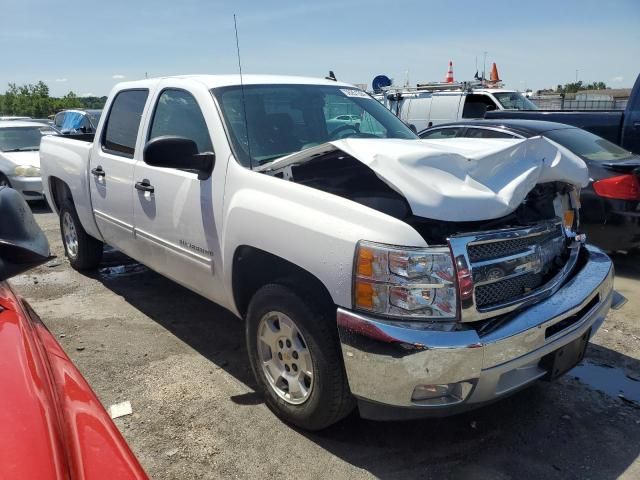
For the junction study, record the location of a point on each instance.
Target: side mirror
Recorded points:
(22, 243)
(178, 152)
(413, 128)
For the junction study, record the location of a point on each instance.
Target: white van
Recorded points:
(423, 107)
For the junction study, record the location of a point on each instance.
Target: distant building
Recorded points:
(607, 99)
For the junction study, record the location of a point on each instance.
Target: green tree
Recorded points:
(575, 87)
(33, 100)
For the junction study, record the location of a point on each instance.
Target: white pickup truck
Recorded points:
(404, 276)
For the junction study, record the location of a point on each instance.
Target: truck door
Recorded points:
(175, 216)
(111, 164)
(631, 125)
(444, 107)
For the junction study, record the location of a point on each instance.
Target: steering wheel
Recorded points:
(334, 134)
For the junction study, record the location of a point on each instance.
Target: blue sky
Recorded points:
(89, 46)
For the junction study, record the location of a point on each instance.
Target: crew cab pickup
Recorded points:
(621, 127)
(371, 268)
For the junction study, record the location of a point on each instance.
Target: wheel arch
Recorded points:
(60, 192)
(254, 268)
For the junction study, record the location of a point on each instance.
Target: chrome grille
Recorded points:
(504, 248)
(503, 290)
(500, 271)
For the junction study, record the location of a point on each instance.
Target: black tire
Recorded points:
(329, 399)
(88, 252)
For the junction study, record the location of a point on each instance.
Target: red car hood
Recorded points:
(52, 426)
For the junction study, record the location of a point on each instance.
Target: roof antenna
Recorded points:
(331, 76)
(244, 106)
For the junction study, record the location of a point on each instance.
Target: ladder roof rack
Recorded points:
(441, 86)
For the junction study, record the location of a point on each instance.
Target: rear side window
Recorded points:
(486, 133)
(177, 113)
(121, 130)
(440, 133)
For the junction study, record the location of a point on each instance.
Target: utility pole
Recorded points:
(577, 75)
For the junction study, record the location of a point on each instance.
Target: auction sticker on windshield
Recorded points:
(354, 93)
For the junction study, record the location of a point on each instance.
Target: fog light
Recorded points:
(441, 394)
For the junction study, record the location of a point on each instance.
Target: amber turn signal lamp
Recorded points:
(365, 262)
(364, 295)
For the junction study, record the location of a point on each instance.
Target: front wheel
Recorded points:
(295, 357)
(83, 251)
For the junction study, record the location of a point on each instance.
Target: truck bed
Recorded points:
(65, 158)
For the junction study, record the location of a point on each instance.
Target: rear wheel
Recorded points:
(83, 251)
(295, 357)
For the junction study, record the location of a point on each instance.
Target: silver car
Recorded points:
(20, 156)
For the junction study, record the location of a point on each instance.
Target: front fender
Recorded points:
(314, 230)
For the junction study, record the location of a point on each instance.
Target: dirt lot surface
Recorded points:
(181, 361)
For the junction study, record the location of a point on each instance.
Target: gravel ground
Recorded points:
(181, 362)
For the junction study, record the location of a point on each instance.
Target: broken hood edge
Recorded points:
(466, 179)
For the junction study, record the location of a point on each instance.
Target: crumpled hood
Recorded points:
(31, 158)
(466, 179)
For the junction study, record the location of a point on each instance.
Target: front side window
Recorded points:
(123, 123)
(283, 119)
(22, 139)
(514, 101)
(448, 132)
(178, 114)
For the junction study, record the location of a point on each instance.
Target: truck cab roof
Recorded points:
(215, 81)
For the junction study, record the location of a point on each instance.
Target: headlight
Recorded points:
(405, 282)
(27, 171)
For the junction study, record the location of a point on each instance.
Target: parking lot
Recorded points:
(181, 362)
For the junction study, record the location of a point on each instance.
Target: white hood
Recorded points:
(466, 179)
(31, 158)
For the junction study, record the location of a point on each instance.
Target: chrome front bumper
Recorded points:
(386, 361)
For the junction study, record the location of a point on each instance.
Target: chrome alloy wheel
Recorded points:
(69, 234)
(285, 358)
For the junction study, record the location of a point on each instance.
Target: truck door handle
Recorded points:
(636, 124)
(144, 186)
(98, 172)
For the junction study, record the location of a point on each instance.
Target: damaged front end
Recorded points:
(502, 292)
(513, 244)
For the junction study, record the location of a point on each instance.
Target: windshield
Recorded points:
(587, 145)
(22, 139)
(514, 101)
(283, 119)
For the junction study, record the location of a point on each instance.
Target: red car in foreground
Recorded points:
(52, 425)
